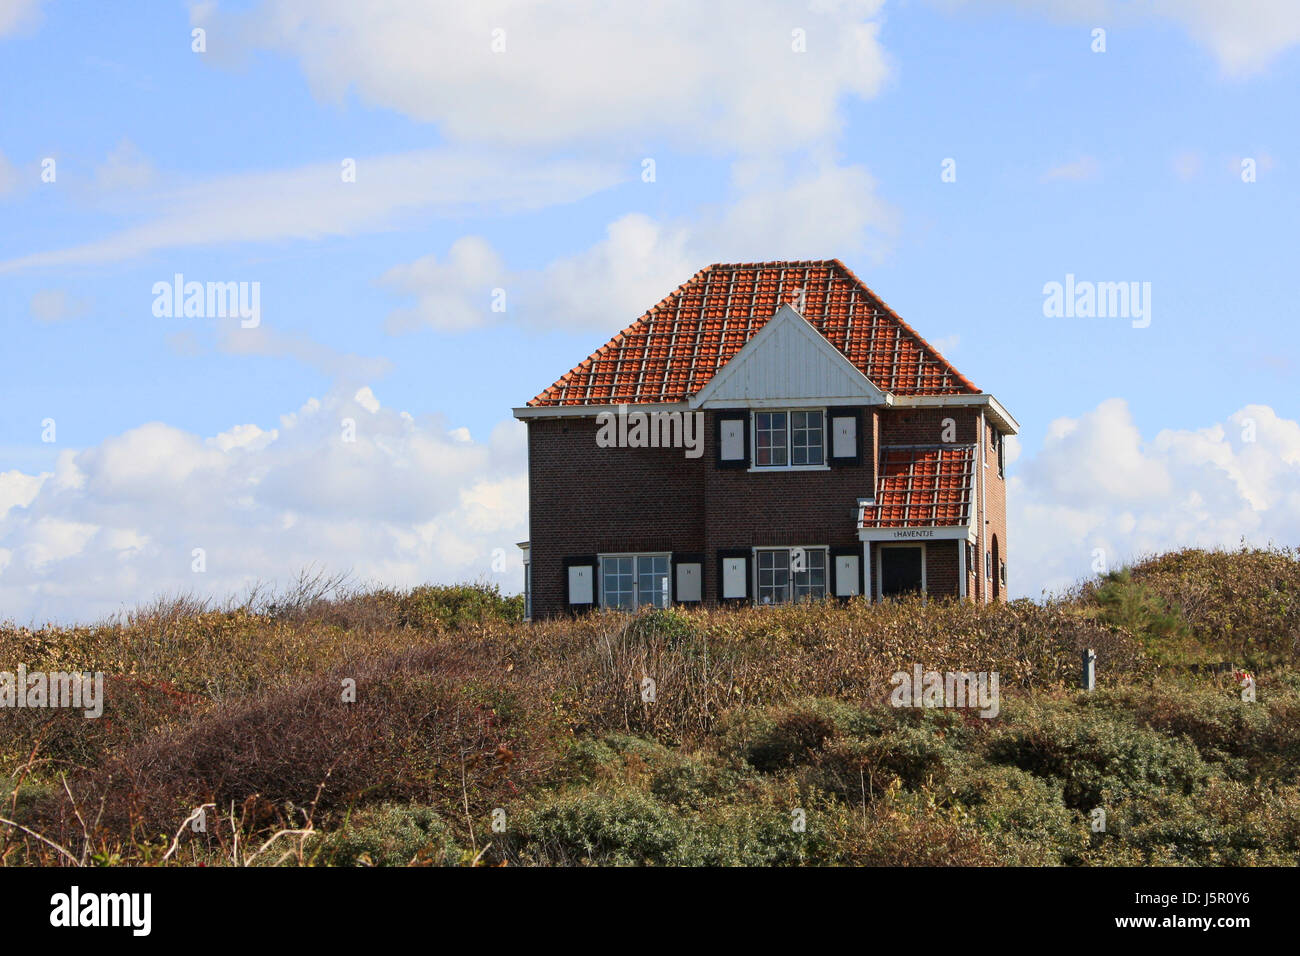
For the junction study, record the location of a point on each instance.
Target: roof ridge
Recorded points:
(598, 379)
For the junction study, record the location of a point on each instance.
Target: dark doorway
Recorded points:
(900, 570)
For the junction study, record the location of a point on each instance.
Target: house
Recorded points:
(769, 432)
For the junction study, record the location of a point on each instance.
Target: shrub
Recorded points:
(392, 835)
(1096, 758)
(589, 827)
(452, 606)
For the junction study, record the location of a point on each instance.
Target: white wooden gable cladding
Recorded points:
(788, 362)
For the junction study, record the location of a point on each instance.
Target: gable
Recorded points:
(788, 362)
(676, 348)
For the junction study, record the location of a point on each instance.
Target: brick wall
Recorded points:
(586, 500)
(995, 518)
(583, 499)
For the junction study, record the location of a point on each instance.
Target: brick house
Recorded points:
(802, 442)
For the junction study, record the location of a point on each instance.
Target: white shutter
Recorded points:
(732, 439)
(690, 581)
(846, 575)
(735, 578)
(581, 588)
(844, 437)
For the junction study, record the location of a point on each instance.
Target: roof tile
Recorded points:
(922, 486)
(672, 351)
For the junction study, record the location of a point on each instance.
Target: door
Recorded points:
(901, 570)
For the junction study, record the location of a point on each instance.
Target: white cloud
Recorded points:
(1244, 36)
(451, 294)
(406, 502)
(947, 345)
(726, 75)
(312, 202)
(18, 489)
(18, 14)
(1097, 484)
(828, 212)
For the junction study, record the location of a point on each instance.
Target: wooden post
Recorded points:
(1088, 679)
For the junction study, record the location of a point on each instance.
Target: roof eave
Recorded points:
(995, 410)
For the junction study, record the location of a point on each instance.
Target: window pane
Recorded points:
(773, 576)
(616, 582)
(806, 438)
(810, 583)
(652, 580)
(769, 438)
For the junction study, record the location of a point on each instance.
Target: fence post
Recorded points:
(1088, 679)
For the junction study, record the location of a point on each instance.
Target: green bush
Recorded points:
(1096, 758)
(629, 828)
(450, 606)
(392, 835)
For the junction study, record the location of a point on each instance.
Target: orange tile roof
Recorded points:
(673, 350)
(922, 486)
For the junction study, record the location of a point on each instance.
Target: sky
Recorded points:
(442, 207)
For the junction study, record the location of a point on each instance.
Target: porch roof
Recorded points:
(922, 486)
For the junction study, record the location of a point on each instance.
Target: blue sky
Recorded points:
(521, 169)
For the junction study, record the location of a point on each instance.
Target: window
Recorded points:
(769, 439)
(630, 581)
(652, 580)
(1000, 443)
(810, 582)
(806, 438)
(795, 439)
(988, 564)
(791, 574)
(773, 576)
(1003, 572)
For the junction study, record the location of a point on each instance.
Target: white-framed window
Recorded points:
(791, 438)
(789, 574)
(630, 581)
(770, 444)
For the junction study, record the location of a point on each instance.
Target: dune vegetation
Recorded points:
(336, 726)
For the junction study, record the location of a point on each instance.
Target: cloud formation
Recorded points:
(412, 500)
(16, 15)
(317, 201)
(409, 500)
(758, 75)
(1097, 484)
(829, 211)
(1244, 36)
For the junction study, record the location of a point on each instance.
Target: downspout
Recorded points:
(961, 568)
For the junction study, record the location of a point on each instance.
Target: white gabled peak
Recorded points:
(788, 362)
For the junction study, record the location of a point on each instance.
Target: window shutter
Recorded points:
(688, 578)
(733, 439)
(848, 572)
(733, 574)
(580, 582)
(844, 439)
